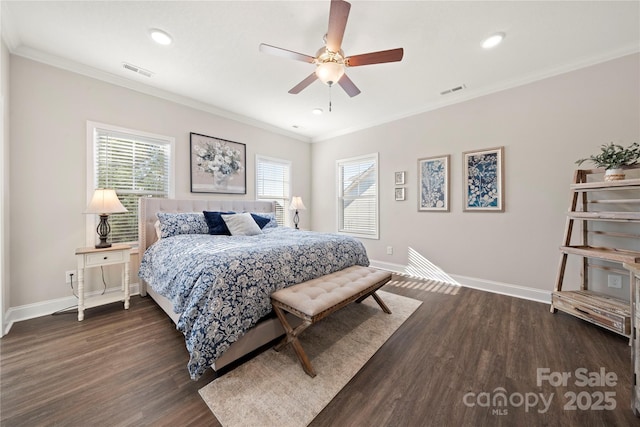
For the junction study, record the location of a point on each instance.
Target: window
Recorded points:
(358, 196)
(273, 177)
(135, 164)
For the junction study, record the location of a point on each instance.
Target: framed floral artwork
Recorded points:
(484, 180)
(400, 194)
(399, 178)
(433, 184)
(217, 165)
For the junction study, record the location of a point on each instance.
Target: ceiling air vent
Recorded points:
(136, 69)
(453, 89)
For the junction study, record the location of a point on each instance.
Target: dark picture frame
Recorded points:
(217, 165)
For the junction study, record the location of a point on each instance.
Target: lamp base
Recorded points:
(103, 230)
(296, 219)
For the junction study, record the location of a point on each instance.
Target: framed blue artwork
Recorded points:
(433, 185)
(484, 180)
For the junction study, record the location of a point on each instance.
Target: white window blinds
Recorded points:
(273, 182)
(358, 196)
(134, 165)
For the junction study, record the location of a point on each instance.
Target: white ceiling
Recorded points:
(215, 64)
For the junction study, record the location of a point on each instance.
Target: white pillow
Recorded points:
(156, 225)
(241, 224)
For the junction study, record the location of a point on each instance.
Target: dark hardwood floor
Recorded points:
(444, 367)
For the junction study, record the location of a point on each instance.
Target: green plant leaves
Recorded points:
(613, 156)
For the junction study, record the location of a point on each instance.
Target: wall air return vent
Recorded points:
(453, 89)
(137, 69)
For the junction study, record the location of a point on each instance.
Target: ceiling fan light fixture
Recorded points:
(329, 72)
(493, 40)
(160, 37)
(330, 60)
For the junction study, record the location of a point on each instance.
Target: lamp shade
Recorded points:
(105, 201)
(296, 204)
(330, 72)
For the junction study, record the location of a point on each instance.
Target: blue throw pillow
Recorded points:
(215, 222)
(260, 220)
(172, 224)
(271, 216)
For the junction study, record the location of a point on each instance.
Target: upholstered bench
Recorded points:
(315, 299)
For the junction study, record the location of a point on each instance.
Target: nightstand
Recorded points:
(92, 257)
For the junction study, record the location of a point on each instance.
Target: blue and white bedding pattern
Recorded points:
(221, 285)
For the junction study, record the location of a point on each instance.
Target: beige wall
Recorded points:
(49, 111)
(544, 126)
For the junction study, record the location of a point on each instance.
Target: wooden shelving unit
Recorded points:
(591, 203)
(634, 269)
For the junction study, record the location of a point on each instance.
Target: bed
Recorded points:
(216, 288)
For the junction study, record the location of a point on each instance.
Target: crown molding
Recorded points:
(85, 70)
(470, 93)
(12, 41)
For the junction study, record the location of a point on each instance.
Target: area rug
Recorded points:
(273, 390)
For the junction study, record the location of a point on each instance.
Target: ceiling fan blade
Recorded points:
(303, 84)
(392, 55)
(348, 86)
(289, 54)
(338, 15)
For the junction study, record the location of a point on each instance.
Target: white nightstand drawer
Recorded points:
(104, 258)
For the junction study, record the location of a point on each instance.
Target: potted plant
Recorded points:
(612, 158)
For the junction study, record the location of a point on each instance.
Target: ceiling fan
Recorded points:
(330, 60)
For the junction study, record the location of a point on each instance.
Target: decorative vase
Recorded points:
(221, 181)
(613, 174)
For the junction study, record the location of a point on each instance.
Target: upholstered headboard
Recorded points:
(149, 206)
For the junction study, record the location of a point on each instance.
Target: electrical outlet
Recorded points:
(614, 281)
(389, 250)
(69, 274)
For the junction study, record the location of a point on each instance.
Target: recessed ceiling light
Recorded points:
(493, 40)
(160, 37)
(317, 111)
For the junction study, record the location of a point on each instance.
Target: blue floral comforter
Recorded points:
(221, 284)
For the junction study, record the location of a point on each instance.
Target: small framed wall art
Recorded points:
(484, 180)
(433, 184)
(399, 178)
(217, 165)
(400, 194)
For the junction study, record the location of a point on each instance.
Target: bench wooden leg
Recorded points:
(292, 338)
(381, 303)
(376, 297)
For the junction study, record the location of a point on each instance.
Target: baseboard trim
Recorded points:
(45, 308)
(509, 289)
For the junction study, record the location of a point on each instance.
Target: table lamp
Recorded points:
(297, 205)
(103, 203)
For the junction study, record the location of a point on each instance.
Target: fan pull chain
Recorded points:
(330, 98)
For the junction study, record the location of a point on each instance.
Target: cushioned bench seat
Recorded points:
(315, 299)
